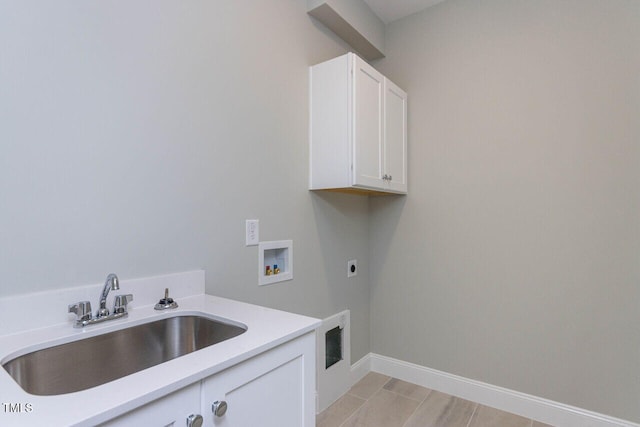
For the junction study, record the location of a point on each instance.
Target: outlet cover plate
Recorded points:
(352, 268)
(252, 232)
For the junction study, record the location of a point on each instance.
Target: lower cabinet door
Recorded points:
(172, 410)
(274, 389)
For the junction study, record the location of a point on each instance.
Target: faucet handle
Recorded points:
(82, 310)
(120, 303)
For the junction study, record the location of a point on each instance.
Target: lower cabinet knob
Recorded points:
(219, 408)
(194, 420)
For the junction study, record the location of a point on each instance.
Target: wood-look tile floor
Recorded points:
(381, 401)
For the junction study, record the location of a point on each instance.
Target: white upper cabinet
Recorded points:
(358, 135)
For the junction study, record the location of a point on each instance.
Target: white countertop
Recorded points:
(266, 328)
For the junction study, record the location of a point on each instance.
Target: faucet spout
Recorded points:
(109, 284)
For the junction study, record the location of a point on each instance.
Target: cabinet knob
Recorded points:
(194, 420)
(390, 177)
(219, 408)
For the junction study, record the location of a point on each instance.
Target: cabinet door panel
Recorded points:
(368, 104)
(275, 389)
(273, 399)
(395, 129)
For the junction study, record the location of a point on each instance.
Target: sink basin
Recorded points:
(89, 362)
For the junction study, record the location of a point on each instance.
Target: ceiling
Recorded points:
(391, 10)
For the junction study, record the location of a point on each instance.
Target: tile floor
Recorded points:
(381, 401)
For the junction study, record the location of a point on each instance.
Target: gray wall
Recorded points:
(137, 137)
(515, 259)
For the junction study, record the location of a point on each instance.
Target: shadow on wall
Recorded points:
(342, 222)
(385, 213)
(364, 220)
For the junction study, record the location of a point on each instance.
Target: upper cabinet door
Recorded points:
(395, 137)
(368, 106)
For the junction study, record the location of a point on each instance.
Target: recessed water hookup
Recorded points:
(275, 261)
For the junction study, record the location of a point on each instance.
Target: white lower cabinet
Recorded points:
(273, 389)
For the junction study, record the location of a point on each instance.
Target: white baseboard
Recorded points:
(361, 368)
(537, 408)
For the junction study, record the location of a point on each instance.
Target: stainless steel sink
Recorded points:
(89, 362)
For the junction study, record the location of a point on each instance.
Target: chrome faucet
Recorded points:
(82, 309)
(111, 283)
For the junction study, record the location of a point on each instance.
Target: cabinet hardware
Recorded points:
(195, 420)
(219, 408)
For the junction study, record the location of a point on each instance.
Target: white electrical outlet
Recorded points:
(352, 268)
(252, 236)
